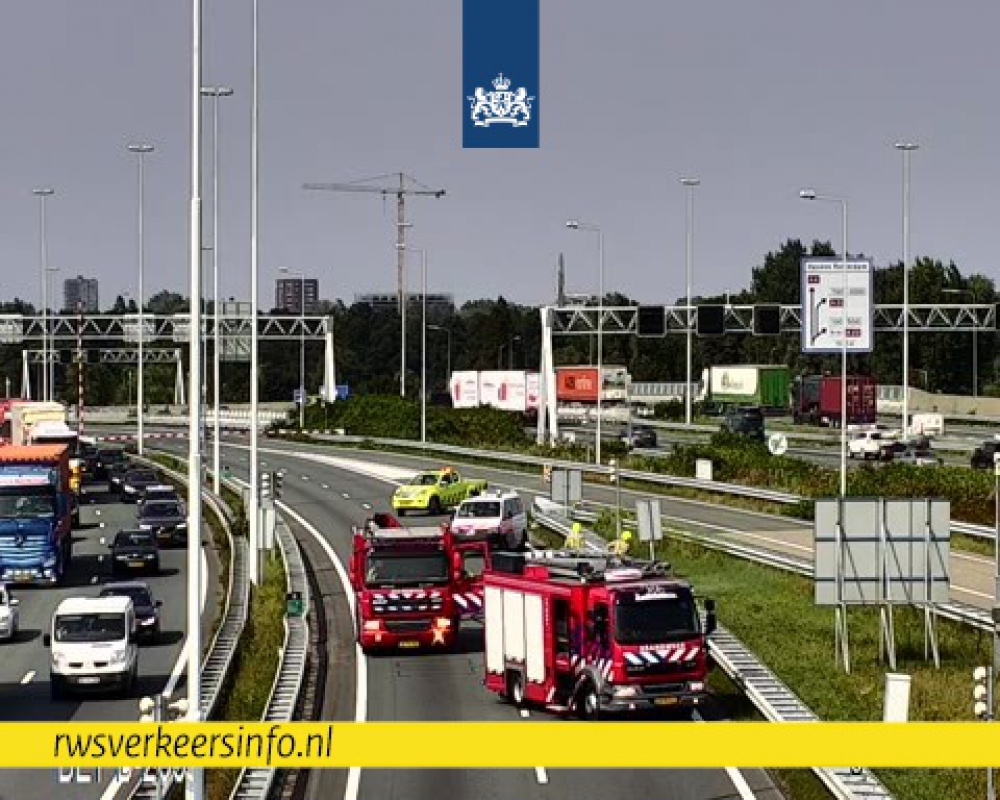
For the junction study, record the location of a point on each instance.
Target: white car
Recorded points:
(869, 444)
(10, 617)
(94, 645)
(496, 516)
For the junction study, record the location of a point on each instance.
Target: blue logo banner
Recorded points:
(500, 81)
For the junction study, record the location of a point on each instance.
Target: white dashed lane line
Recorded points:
(345, 495)
(540, 774)
(366, 506)
(28, 677)
(326, 486)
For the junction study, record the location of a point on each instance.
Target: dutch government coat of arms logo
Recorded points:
(501, 105)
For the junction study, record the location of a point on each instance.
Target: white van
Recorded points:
(496, 516)
(94, 645)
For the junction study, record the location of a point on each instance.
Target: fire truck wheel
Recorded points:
(434, 507)
(515, 688)
(588, 704)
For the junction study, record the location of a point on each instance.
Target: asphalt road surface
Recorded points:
(444, 686)
(24, 663)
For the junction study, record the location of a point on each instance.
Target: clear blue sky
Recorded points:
(756, 99)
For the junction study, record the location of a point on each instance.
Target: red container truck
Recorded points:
(816, 400)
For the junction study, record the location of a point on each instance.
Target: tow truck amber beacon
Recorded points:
(593, 633)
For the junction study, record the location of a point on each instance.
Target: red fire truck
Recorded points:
(593, 633)
(403, 580)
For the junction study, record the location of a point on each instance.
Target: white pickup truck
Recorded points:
(869, 445)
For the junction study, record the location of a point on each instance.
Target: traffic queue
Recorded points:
(575, 631)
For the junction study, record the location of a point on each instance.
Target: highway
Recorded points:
(328, 499)
(24, 663)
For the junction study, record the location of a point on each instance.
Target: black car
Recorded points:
(116, 472)
(89, 457)
(748, 421)
(136, 480)
(107, 457)
(165, 519)
(159, 491)
(133, 551)
(147, 609)
(642, 436)
(982, 456)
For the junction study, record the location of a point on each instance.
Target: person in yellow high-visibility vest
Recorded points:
(620, 546)
(575, 540)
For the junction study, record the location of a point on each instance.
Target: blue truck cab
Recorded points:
(36, 507)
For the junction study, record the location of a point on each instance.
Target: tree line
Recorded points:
(491, 333)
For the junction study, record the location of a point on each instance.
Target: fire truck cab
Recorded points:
(403, 579)
(593, 633)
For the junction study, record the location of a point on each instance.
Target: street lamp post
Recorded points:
(195, 786)
(975, 339)
(809, 194)
(301, 394)
(254, 513)
(43, 255)
(906, 148)
(215, 92)
(423, 336)
(50, 365)
(584, 226)
(690, 184)
(141, 151)
(448, 332)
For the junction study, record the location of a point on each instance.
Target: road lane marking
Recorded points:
(739, 782)
(326, 486)
(540, 774)
(345, 495)
(366, 506)
(29, 676)
(361, 664)
(305, 477)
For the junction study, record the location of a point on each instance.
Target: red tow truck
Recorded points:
(403, 580)
(593, 633)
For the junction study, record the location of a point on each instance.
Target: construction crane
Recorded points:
(406, 185)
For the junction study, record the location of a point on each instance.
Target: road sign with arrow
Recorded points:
(827, 318)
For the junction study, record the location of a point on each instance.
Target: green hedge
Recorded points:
(737, 460)
(394, 417)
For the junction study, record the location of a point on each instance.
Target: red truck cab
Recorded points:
(593, 634)
(403, 579)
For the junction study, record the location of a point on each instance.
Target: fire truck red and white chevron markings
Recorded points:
(471, 602)
(672, 656)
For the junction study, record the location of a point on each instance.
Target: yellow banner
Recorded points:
(488, 744)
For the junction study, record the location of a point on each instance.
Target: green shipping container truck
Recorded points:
(767, 386)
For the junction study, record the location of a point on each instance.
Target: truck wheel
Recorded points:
(57, 691)
(515, 688)
(588, 704)
(434, 506)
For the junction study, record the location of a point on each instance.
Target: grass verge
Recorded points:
(246, 692)
(254, 666)
(773, 613)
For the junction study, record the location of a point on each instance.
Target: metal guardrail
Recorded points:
(155, 784)
(255, 783)
(770, 696)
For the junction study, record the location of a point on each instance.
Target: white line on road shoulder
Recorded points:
(29, 676)
(361, 665)
(739, 782)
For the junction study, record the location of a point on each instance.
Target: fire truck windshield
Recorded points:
(420, 569)
(651, 619)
